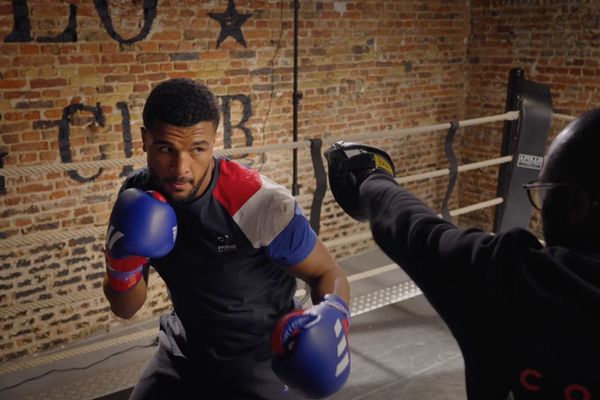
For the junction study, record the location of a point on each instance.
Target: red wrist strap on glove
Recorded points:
(293, 321)
(124, 273)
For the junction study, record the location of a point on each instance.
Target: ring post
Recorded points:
(321, 184)
(526, 140)
(452, 166)
(509, 136)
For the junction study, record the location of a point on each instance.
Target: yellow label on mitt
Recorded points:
(382, 163)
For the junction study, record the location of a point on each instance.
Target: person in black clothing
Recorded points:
(525, 315)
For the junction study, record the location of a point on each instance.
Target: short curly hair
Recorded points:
(180, 102)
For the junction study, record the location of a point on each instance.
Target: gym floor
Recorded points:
(399, 351)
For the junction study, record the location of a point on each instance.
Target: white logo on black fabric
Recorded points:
(530, 161)
(225, 245)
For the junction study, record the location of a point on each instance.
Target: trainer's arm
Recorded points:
(402, 224)
(322, 273)
(452, 266)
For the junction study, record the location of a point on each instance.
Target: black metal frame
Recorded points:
(525, 139)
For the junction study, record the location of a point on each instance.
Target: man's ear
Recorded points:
(145, 137)
(580, 206)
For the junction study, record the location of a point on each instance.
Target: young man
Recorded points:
(526, 317)
(229, 244)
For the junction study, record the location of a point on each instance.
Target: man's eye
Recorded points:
(198, 149)
(164, 149)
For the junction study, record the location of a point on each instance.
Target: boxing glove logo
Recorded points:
(342, 353)
(112, 236)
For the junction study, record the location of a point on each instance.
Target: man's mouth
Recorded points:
(178, 185)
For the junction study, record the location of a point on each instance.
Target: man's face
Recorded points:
(180, 159)
(558, 224)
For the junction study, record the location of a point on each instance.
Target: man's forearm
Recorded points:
(126, 304)
(334, 282)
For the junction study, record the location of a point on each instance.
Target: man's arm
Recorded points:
(311, 346)
(126, 304)
(142, 226)
(322, 273)
(398, 219)
(415, 237)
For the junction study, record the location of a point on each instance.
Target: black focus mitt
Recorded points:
(349, 165)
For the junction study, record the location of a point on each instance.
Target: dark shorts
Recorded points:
(172, 377)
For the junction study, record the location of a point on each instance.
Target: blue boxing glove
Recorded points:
(312, 355)
(142, 226)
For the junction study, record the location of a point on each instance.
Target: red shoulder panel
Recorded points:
(236, 185)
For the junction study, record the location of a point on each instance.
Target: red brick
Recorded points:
(52, 93)
(30, 61)
(166, 35)
(53, 114)
(28, 158)
(34, 188)
(117, 58)
(136, 69)
(141, 87)
(10, 138)
(12, 83)
(44, 83)
(29, 48)
(21, 222)
(48, 156)
(29, 146)
(31, 136)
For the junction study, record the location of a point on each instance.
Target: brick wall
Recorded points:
(555, 43)
(73, 78)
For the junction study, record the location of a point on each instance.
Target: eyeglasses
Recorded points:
(537, 191)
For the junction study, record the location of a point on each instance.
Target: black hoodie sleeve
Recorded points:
(446, 262)
(434, 252)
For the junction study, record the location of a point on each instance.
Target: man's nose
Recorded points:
(180, 164)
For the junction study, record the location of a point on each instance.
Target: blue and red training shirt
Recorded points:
(226, 275)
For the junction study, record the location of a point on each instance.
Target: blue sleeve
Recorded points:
(294, 243)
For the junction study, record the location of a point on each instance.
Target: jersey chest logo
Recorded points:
(225, 244)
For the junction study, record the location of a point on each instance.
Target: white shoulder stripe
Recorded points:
(266, 213)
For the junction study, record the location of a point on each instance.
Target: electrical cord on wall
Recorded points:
(277, 47)
(139, 346)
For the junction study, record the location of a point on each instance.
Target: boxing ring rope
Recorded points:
(359, 304)
(58, 167)
(461, 168)
(563, 117)
(42, 237)
(97, 295)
